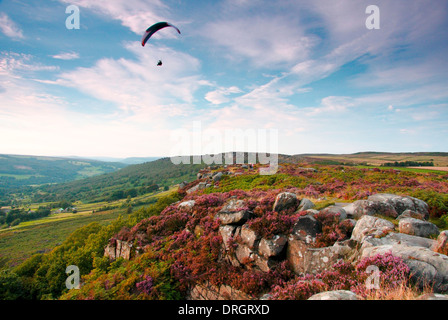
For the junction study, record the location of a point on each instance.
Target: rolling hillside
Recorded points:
(105, 181)
(131, 181)
(19, 170)
(440, 159)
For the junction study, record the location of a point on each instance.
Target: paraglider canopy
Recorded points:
(154, 28)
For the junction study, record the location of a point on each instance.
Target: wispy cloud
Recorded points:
(220, 95)
(133, 14)
(9, 27)
(66, 56)
(11, 63)
(141, 91)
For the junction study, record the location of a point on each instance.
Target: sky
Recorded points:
(286, 76)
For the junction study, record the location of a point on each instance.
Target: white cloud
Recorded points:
(332, 105)
(133, 14)
(33, 121)
(9, 27)
(66, 56)
(265, 42)
(220, 95)
(12, 63)
(141, 91)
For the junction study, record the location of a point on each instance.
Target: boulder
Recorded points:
(249, 237)
(427, 267)
(182, 184)
(304, 259)
(269, 248)
(411, 214)
(200, 186)
(217, 176)
(393, 238)
(371, 226)
(360, 208)
(335, 295)
(305, 204)
(349, 210)
(335, 210)
(285, 200)
(118, 249)
(244, 254)
(417, 227)
(227, 232)
(186, 205)
(402, 203)
(442, 242)
(306, 228)
(264, 264)
(234, 212)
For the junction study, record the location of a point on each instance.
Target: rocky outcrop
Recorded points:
(371, 235)
(418, 227)
(402, 203)
(285, 200)
(384, 223)
(378, 236)
(389, 205)
(118, 249)
(427, 267)
(304, 258)
(369, 226)
(234, 212)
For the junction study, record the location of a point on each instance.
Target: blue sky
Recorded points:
(310, 70)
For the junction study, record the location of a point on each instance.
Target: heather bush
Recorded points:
(393, 272)
(272, 223)
(332, 229)
(298, 289)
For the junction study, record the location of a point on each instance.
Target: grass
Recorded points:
(400, 292)
(22, 241)
(375, 159)
(27, 238)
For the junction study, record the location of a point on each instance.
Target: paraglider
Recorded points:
(154, 28)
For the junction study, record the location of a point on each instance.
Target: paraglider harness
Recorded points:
(159, 63)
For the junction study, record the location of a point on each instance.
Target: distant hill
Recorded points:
(440, 159)
(94, 181)
(22, 170)
(130, 160)
(131, 180)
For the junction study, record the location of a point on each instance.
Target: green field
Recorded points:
(27, 238)
(378, 158)
(20, 242)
